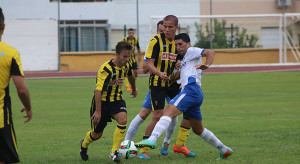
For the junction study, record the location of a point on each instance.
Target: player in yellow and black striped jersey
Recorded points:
(10, 67)
(134, 41)
(107, 102)
(162, 57)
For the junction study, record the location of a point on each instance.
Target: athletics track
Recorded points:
(213, 69)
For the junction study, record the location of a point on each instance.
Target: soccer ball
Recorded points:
(127, 149)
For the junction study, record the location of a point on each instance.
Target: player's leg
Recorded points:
(179, 146)
(169, 133)
(157, 96)
(119, 113)
(8, 148)
(95, 133)
(139, 118)
(170, 112)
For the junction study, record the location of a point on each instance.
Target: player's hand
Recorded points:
(178, 65)
(202, 66)
(96, 117)
(28, 115)
(133, 93)
(164, 76)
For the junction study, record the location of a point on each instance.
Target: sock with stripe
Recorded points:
(118, 137)
(160, 127)
(144, 149)
(182, 136)
(170, 130)
(88, 139)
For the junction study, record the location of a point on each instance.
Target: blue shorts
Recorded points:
(147, 101)
(189, 101)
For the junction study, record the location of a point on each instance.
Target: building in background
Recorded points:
(85, 25)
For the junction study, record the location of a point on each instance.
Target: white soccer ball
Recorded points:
(127, 149)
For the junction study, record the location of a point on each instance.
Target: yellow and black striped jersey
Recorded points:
(165, 55)
(110, 80)
(134, 43)
(10, 64)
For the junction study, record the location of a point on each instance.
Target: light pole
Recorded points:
(58, 32)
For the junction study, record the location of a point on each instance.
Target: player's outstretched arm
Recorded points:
(24, 96)
(210, 56)
(98, 100)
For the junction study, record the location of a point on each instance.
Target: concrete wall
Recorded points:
(36, 41)
(91, 61)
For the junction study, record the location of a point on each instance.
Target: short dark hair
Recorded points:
(1, 18)
(184, 37)
(160, 22)
(131, 29)
(123, 45)
(172, 18)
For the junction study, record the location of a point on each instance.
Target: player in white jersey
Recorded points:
(189, 100)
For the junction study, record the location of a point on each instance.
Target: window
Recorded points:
(91, 35)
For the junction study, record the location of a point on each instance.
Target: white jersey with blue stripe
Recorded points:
(187, 69)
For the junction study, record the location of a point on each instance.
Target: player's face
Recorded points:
(124, 57)
(160, 28)
(181, 46)
(170, 30)
(130, 34)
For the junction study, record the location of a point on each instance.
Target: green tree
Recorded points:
(238, 40)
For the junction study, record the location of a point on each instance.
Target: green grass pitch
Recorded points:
(256, 114)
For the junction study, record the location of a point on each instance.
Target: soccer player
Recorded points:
(10, 67)
(189, 100)
(134, 43)
(161, 56)
(107, 102)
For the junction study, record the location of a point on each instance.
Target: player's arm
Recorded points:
(210, 55)
(175, 77)
(24, 96)
(152, 52)
(154, 70)
(98, 100)
(131, 80)
(145, 68)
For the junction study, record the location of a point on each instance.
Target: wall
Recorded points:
(36, 41)
(91, 61)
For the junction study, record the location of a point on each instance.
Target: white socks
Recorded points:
(210, 138)
(134, 127)
(160, 127)
(170, 130)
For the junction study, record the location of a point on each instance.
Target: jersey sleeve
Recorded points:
(194, 53)
(16, 65)
(103, 79)
(152, 49)
(137, 43)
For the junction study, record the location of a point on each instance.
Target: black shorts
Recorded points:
(108, 109)
(158, 95)
(173, 90)
(134, 65)
(8, 145)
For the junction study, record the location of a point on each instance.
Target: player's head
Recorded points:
(182, 42)
(130, 33)
(2, 25)
(123, 50)
(160, 27)
(171, 26)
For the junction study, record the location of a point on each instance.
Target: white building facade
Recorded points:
(32, 26)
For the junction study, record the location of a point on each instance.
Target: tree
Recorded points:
(238, 40)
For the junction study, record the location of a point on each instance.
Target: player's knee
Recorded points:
(157, 115)
(122, 121)
(145, 113)
(97, 136)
